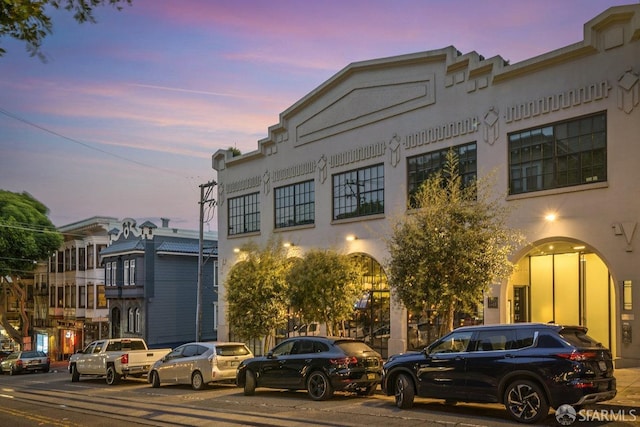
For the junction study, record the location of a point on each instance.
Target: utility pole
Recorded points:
(205, 197)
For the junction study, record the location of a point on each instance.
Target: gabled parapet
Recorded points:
(372, 91)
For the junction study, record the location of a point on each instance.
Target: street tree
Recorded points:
(30, 21)
(323, 287)
(26, 237)
(257, 295)
(451, 245)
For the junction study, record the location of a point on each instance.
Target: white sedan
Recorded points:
(199, 364)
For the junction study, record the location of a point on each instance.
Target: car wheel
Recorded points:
(197, 382)
(75, 375)
(318, 386)
(525, 402)
(249, 383)
(404, 392)
(45, 369)
(12, 370)
(113, 377)
(155, 379)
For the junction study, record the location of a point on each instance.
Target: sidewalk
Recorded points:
(628, 386)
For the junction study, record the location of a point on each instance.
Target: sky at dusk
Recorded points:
(124, 115)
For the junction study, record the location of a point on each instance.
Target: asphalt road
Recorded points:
(51, 399)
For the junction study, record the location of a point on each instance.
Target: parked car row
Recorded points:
(527, 367)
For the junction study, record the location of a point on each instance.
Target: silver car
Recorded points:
(25, 361)
(199, 364)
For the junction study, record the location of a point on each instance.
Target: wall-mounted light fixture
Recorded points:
(351, 237)
(287, 244)
(236, 250)
(551, 216)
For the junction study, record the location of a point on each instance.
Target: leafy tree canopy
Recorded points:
(26, 233)
(257, 296)
(26, 236)
(447, 251)
(29, 20)
(323, 287)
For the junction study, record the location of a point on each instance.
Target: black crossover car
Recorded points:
(528, 367)
(320, 365)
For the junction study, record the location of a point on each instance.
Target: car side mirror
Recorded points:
(270, 355)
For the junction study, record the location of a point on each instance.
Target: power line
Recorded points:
(84, 144)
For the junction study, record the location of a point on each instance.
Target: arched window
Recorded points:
(130, 320)
(137, 320)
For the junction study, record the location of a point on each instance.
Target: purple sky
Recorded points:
(124, 116)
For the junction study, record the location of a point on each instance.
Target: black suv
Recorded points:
(528, 367)
(321, 365)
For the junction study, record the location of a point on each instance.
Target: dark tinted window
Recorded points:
(319, 347)
(496, 340)
(283, 348)
(578, 338)
(524, 338)
(125, 345)
(353, 348)
(232, 350)
(303, 347)
(455, 342)
(190, 351)
(547, 341)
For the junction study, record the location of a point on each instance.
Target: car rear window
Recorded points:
(579, 338)
(231, 350)
(353, 348)
(125, 345)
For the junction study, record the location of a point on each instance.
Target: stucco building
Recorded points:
(561, 132)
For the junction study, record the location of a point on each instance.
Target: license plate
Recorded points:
(602, 365)
(234, 363)
(371, 376)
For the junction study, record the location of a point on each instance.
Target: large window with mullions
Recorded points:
(295, 204)
(358, 192)
(244, 214)
(422, 166)
(563, 154)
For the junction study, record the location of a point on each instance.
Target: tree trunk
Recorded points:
(446, 325)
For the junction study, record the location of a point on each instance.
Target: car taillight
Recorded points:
(344, 361)
(584, 385)
(124, 359)
(579, 356)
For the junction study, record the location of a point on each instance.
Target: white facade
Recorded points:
(388, 111)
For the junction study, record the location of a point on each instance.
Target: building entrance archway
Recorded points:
(564, 282)
(371, 319)
(115, 323)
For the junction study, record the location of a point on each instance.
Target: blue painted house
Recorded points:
(151, 283)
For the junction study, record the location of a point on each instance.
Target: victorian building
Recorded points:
(70, 308)
(152, 283)
(560, 131)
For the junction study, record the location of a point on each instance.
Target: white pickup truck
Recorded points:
(115, 359)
